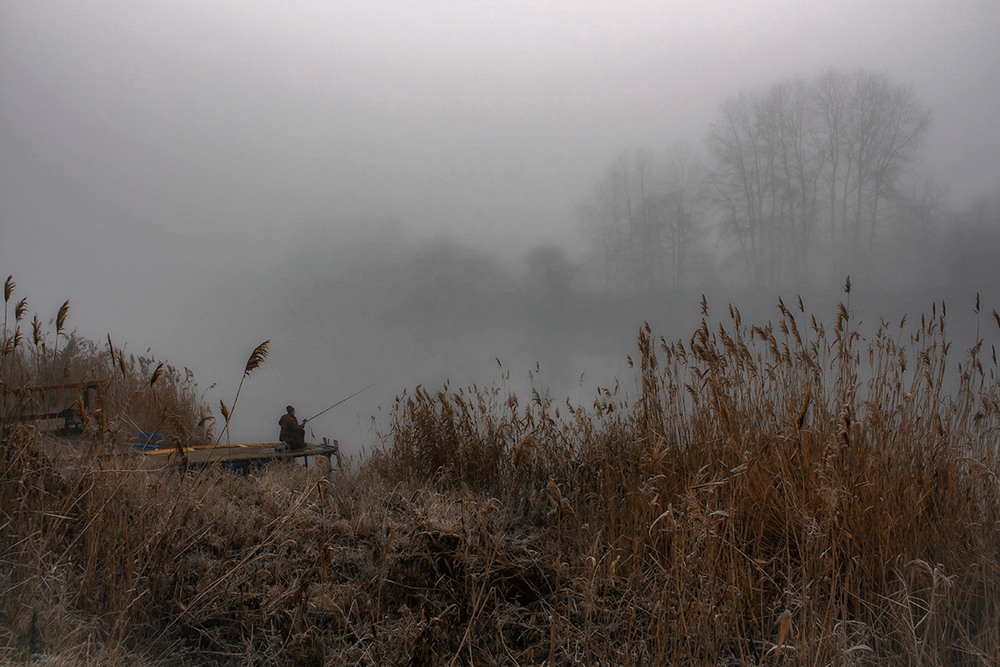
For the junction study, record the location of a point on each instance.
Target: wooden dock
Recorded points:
(237, 457)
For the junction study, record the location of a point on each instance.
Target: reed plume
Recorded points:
(156, 374)
(61, 317)
(256, 359)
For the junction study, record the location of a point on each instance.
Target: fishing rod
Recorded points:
(343, 400)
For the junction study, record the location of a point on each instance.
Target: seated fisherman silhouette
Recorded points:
(293, 434)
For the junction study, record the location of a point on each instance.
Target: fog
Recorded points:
(404, 193)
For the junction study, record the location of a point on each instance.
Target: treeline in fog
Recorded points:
(794, 188)
(795, 185)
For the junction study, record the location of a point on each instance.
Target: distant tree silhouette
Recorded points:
(646, 218)
(799, 153)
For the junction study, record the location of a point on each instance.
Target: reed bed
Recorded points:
(783, 493)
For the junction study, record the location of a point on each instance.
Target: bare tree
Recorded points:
(609, 221)
(831, 106)
(738, 182)
(790, 128)
(644, 218)
(871, 129)
(682, 208)
(919, 212)
(837, 145)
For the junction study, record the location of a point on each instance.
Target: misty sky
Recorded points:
(197, 177)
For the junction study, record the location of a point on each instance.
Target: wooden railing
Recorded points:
(71, 422)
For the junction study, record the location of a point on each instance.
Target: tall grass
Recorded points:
(768, 489)
(135, 393)
(788, 492)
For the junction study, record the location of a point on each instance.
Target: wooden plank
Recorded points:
(84, 384)
(234, 454)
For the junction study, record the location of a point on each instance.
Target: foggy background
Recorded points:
(403, 193)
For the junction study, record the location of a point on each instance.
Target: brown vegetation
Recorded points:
(769, 494)
(134, 393)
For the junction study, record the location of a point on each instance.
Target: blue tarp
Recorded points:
(147, 442)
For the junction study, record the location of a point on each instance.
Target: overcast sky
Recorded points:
(153, 155)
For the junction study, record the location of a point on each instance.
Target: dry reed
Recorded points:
(774, 493)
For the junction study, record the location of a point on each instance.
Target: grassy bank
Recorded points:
(762, 494)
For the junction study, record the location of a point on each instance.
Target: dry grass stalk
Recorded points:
(777, 493)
